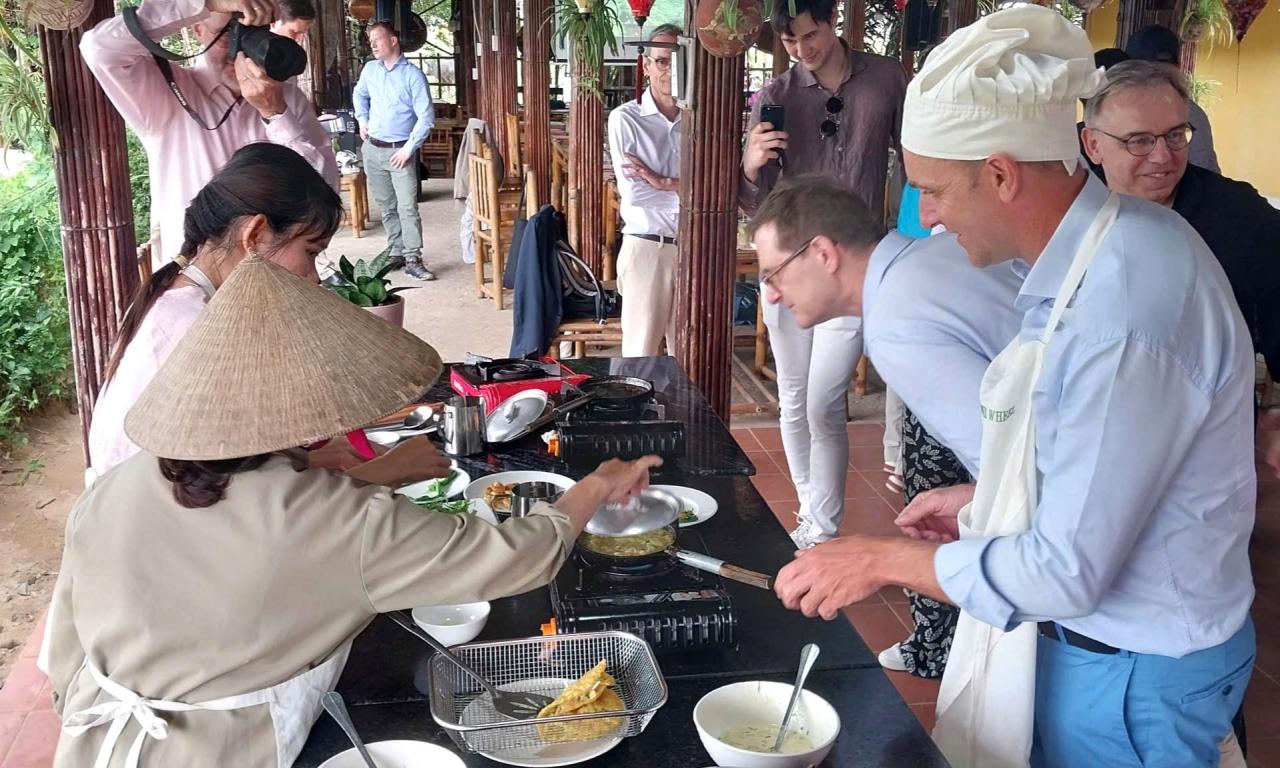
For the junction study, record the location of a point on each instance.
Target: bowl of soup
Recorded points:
(738, 724)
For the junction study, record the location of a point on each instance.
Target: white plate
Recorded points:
(397, 754)
(549, 755)
(455, 489)
(475, 491)
(514, 415)
(702, 504)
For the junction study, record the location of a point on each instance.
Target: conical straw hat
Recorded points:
(274, 362)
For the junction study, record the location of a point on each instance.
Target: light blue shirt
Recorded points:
(1144, 447)
(931, 324)
(909, 212)
(395, 104)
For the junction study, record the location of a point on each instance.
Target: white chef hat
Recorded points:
(1008, 83)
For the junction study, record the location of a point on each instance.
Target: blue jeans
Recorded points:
(1132, 709)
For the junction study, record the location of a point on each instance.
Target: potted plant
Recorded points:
(727, 28)
(590, 28)
(365, 284)
(1205, 20)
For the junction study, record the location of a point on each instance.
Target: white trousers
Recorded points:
(647, 282)
(814, 368)
(894, 412)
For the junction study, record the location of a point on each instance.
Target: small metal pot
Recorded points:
(525, 496)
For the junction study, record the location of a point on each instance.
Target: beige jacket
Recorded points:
(191, 605)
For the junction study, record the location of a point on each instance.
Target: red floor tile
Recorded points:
(36, 742)
(915, 690)
(785, 511)
(926, 714)
(866, 435)
(1266, 618)
(895, 596)
(867, 458)
(1263, 753)
(770, 438)
(763, 463)
(1262, 706)
(877, 624)
(867, 518)
(32, 647)
(22, 690)
(10, 724)
(775, 487)
(856, 486)
(746, 440)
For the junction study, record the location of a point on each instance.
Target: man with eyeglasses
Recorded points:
(843, 112)
(1137, 130)
(644, 147)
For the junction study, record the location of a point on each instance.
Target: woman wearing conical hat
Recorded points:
(209, 592)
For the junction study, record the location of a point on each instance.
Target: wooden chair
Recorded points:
(610, 209)
(439, 151)
(514, 158)
(144, 261)
(493, 217)
(559, 177)
(357, 186)
(586, 333)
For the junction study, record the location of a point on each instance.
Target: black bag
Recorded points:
(583, 296)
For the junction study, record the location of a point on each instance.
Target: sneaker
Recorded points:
(419, 271)
(894, 483)
(891, 658)
(396, 261)
(807, 535)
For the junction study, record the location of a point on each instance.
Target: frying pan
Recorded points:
(688, 557)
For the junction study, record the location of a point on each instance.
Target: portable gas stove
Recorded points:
(670, 605)
(496, 380)
(603, 430)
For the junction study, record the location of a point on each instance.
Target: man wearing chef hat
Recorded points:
(1101, 561)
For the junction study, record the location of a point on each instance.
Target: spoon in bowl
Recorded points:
(808, 655)
(334, 705)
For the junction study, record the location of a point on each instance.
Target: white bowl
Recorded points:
(398, 754)
(763, 703)
(452, 624)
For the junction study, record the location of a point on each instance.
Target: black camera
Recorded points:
(279, 57)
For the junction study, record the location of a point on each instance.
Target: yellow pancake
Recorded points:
(589, 694)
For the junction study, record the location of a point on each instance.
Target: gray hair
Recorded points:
(1135, 74)
(666, 29)
(806, 206)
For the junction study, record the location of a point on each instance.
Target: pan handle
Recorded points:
(715, 565)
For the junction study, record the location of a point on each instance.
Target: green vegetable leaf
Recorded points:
(348, 271)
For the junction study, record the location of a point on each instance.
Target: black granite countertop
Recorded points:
(711, 449)
(877, 728)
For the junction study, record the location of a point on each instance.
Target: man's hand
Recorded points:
(931, 516)
(401, 158)
(257, 13)
(1269, 439)
(832, 575)
(636, 169)
(763, 144)
(624, 479)
(364, 132)
(263, 93)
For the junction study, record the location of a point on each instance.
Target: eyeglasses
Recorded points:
(1143, 144)
(766, 277)
(831, 125)
(660, 63)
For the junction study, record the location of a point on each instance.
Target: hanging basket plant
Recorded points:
(1207, 21)
(727, 28)
(589, 28)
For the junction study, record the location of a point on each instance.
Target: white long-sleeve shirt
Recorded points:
(183, 157)
(639, 129)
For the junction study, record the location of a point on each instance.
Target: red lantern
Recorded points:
(640, 10)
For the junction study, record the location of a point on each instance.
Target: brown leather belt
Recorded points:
(662, 239)
(1050, 630)
(380, 144)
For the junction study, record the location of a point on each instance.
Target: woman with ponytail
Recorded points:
(266, 200)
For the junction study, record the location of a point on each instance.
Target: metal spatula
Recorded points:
(516, 705)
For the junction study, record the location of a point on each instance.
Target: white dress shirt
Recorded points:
(1144, 447)
(639, 129)
(932, 322)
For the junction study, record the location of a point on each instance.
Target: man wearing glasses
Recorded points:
(1137, 130)
(644, 146)
(843, 112)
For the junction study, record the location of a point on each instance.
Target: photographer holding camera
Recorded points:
(192, 120)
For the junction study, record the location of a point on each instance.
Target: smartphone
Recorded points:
(775, 115)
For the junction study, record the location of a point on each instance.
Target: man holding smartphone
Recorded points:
(842, 111)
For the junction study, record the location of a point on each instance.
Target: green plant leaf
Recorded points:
(375, 290)
(348, 271)
(362, 270)
(401, 289)
(386, 270)
(359, 299)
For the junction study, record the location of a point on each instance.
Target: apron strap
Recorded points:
(197, 276)
(1089, 247)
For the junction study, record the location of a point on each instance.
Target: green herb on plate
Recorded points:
(688, 515)
(459, 507)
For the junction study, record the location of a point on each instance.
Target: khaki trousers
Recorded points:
(647, 282)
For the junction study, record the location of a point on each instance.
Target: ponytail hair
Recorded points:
(261, 178)
(198, 484)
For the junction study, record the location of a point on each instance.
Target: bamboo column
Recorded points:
(98, 245)
(586, 169)
(464, 55)
(1133, 16)
(710, 164)
(537, 86)
(497, 88)
(960, 14)
(855, 23)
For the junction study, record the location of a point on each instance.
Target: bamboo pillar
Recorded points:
(1133, 16)
(537, 84)
(464, 54)
(960, 14)
(586, 170)
(855, 23)
(497, 87)
(710, 164)
(98, 245)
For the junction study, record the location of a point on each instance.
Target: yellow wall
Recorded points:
(1245, 109)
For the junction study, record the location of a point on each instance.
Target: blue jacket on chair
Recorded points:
(537, 310)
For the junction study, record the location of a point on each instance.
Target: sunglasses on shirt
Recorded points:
(831, 125)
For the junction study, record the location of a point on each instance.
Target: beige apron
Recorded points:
(986, 705)
(294, 703)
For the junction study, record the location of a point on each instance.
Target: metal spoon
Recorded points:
(516, 705)
(337, 709)
(808, 655)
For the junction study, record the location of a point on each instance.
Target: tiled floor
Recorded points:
(29, 728)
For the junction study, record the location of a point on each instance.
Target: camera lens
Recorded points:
(280, 57)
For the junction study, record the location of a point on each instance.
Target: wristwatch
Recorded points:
(272, 118)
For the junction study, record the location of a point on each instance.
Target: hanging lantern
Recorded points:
(1242, 13)
(640, 11)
